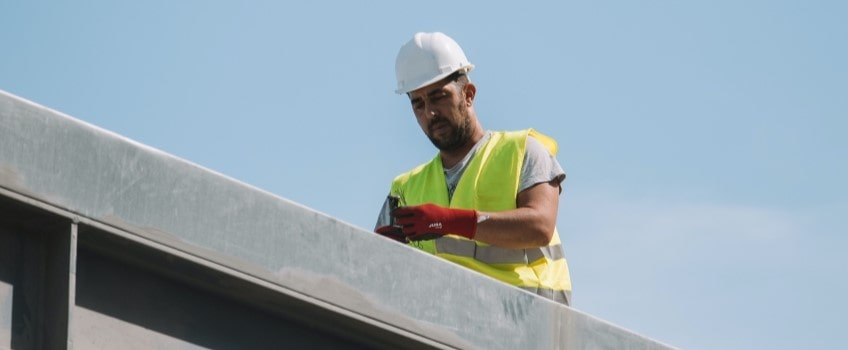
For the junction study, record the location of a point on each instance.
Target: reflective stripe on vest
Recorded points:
(497, 255)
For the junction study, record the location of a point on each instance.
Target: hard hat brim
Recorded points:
(464, 69)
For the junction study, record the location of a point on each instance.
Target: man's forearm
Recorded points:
(528, 226)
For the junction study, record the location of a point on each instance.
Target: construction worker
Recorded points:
(488, 201)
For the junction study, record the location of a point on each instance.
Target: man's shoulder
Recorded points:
(529, 138)
(523, 134)
(504, 137)
(510, 134)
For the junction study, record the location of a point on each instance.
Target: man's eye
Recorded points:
(440, 96)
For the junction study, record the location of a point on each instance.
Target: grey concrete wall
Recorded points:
(288, 256)
(122, 306)
(34, 277)
(107, 292)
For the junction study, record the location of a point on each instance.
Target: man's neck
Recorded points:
(450, 158)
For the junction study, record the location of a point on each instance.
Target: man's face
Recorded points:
(442, 113)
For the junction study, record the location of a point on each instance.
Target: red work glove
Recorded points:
(392, 232)
(429, 221)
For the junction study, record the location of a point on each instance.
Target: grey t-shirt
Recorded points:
(539, 166)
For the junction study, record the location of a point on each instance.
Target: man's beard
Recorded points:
(458, 135)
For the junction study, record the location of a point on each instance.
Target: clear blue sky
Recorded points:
(704, 141)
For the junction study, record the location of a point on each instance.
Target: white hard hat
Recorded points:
(426, 59)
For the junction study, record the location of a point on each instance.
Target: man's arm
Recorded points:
(529, 225)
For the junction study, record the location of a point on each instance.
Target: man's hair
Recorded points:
(460, 78)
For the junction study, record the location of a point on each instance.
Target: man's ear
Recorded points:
(470, 93)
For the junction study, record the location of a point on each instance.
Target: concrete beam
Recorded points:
(154, 199)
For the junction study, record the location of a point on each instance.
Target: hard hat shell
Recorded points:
(426, 59)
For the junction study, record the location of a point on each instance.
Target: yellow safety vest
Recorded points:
(490, 183)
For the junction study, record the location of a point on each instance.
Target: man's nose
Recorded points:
(431, 110)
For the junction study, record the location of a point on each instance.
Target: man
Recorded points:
(488, 200)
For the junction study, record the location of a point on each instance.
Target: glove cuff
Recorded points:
(466, 225)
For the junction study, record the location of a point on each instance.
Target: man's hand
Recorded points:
(429, 221)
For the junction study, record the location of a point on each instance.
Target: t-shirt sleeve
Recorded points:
(539, 166)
